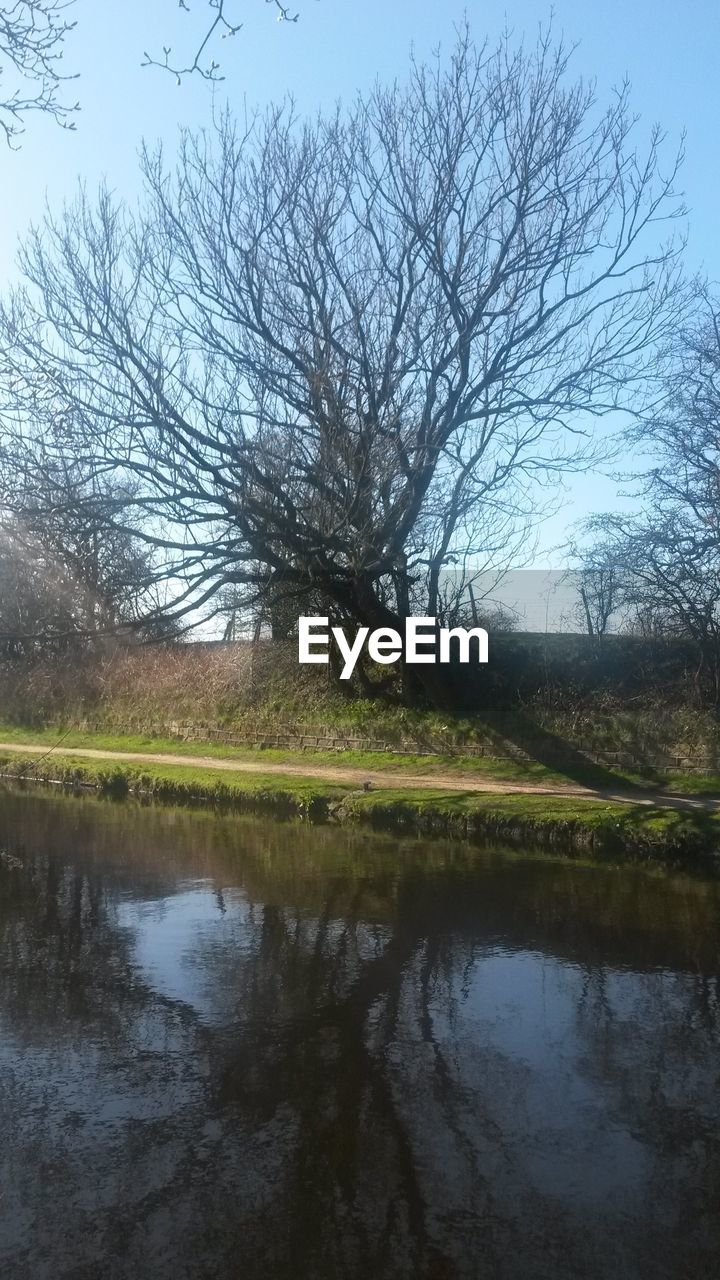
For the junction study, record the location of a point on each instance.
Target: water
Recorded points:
(232, 1048)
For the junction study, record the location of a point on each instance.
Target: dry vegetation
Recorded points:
(121, 687)
(245, 688)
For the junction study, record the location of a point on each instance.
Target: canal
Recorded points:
(242, 1048)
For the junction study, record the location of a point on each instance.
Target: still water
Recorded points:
(233, 1048)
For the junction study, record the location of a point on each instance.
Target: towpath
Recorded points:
(379, 779)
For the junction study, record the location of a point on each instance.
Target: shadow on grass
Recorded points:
(556, 753)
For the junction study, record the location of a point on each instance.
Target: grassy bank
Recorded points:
(547, 695)
(564, 823)
(487, 768)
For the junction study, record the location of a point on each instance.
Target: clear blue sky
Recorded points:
(668, 50)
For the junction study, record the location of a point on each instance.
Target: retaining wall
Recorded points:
(294, 738)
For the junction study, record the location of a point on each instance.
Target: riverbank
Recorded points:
(474, 809)
(555, 699)
(579, 775)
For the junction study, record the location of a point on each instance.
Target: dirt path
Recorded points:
(379, 779)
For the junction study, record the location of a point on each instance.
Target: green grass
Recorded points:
(482, 767)
(560, 822)
(277, 791)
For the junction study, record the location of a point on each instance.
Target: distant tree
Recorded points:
(68, 574)
(666, 559)
(332, 357)
(600, 583)
(669, 579)
(34, 603)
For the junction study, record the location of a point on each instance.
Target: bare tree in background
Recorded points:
(68, 574)
(63, 586)
(666, 558)
(600, 582)
(332, 356)
(32, 36)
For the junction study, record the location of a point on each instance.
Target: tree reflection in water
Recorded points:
(231, 1048)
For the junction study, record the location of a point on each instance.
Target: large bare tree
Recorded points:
(335, 355)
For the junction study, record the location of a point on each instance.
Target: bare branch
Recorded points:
(220, 27)
(32, 36)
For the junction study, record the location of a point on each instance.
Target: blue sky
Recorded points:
(668, 51)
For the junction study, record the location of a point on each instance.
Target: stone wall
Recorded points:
(327, 738)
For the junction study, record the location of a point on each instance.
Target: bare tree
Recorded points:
(32, 36)
(68, 574)
(666, 559)
(333, 355)
(668, 574)
(600, 583)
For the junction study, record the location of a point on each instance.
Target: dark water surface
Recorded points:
(232, 1048)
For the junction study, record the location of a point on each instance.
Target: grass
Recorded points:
(565, 823)
(301, 795)
(559, 822)
(482, 767)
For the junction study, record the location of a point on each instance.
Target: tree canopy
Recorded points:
(328, 358)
